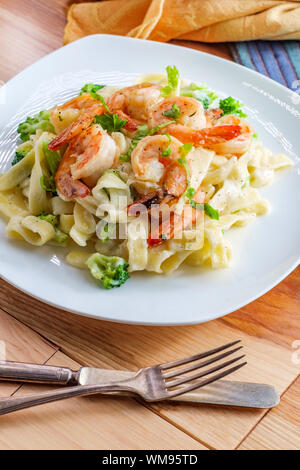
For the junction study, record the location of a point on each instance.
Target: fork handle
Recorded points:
(8, 405)
(19, 371)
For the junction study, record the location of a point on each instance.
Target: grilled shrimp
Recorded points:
(190, 112)
(172, 223)
(150, 164)
(190, 125)
(78, 114)
(239, 144)
(135, 100)
(87, 157)
(73, 117)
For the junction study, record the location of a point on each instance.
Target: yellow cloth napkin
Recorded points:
(196, 20)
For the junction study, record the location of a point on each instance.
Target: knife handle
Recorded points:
(22, 372)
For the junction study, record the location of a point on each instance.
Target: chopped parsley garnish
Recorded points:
(173, 112)
(160, 126)
(211, 212)
(190, 193)
(142, 131)
(247, 182)
(98, 97)
(184, 151)
(173, 81)
(90, 88)
(167, 152)
(231, 106)
(255, 136)
(208, 209)
(110, 122)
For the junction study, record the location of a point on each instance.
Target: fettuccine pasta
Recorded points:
(144, 178)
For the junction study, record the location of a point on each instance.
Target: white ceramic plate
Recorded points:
(263, 253)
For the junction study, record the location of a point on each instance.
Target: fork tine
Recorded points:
(175, 373)
(202, 383)
(189, 378)
(180, 362)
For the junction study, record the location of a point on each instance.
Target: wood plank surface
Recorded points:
(112, 345)
(89, 423)
(21, 344)
(29, 29)
(281, 427)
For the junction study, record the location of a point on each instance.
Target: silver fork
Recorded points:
(155, 383)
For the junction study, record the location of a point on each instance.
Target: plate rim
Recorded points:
(113, 318)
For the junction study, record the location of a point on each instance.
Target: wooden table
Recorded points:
(35, 332)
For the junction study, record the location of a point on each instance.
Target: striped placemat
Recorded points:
(279, 60)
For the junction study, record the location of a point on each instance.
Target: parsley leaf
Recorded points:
(211, 212)
(142, 131)
(184, 151)
(90, 87)
(98, 97)
(173, 81)
(190, 192)
(208, 209)
(110, 122)
(231, 106)
(173, 112)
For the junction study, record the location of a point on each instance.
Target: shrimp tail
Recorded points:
(70, 188)
(84, 121)
(131, 124)
(215, 135)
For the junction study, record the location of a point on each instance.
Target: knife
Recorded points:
(223, 392)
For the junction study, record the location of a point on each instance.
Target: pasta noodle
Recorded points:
(33, 230)
(147, 178)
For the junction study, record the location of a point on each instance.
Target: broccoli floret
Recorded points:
(30, 126)
(50, 218)
(205, 101)
(60, 236)
(201, 93)
(20, 154)
(112, 271)
(231, 106)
